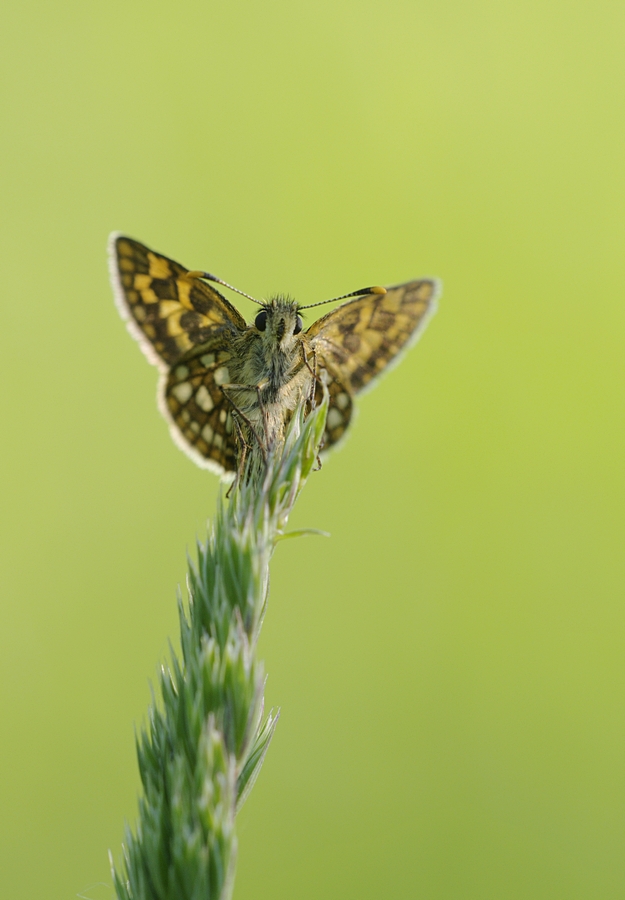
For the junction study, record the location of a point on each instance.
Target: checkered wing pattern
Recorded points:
(358, 341)
(168, 310)
(199, 414)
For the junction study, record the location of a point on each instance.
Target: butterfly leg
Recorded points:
(228, 387)
(319, 463)
(313, 371)
(241, 457)
(263, 411)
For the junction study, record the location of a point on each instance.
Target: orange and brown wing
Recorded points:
(199, 415)
(359, 339)
(167, 310)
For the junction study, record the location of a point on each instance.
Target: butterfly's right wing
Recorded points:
(359, 340)
(199, 415)
(167, 310)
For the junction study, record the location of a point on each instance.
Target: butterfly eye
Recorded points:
(261, 320)
(298, 325)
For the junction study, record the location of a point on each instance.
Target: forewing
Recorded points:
(167, 311)
(199, 415)
(359, 339)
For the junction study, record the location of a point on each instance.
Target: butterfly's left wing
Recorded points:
(168, 310)
(198, 412)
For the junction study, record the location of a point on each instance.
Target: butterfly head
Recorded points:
(279, 322)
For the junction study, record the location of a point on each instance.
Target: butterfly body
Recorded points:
(224, 382)
(268, 373)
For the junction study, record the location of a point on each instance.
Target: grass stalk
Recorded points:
(206, 736)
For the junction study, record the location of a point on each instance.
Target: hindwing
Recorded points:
(199, 415)
(340, 405)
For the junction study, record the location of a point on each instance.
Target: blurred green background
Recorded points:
(450, 663)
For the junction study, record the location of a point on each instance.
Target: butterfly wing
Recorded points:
(186, 328)
(362, 337)
(358, 341)
(199, 415)
(340, 405)
(166, 310)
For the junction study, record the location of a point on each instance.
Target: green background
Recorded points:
(450, 663)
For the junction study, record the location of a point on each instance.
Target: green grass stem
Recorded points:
(206, 738)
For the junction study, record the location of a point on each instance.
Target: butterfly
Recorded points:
(225, 384)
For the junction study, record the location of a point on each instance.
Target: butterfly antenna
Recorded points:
(376, 289)
(208, 277)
